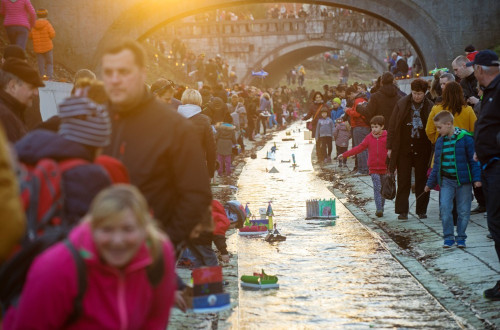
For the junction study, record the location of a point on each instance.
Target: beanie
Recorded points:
(84, 122)
(337, 100)
(23, 71)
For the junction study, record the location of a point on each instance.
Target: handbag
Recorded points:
(388, 184)
(309, 124)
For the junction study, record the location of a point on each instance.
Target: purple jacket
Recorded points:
(113, 299)
(18, 13)
(341, 134)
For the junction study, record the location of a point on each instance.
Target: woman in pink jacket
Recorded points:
(377, 153)
(19, 19)
(119, 244)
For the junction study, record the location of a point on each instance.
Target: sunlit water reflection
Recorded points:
(330, 276)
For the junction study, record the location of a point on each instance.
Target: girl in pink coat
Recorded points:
(19, 19)
(377, 152)
(118, 242)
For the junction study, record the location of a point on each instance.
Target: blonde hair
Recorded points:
(91, 88)
(191, 96)
(114, 200)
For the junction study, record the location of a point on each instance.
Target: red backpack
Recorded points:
(42, 194)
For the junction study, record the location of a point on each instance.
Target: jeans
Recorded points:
(45, 61)
(203, 255)
(449, 190)
(224, 162)
(18, 35)
(272, 121)
(358, 134)
(377, 186)
(491, 187)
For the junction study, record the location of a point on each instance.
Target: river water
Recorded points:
(336, 276)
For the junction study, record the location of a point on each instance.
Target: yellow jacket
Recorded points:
(464, 120)
(12, 220)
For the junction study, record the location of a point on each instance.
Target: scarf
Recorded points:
(416, 120)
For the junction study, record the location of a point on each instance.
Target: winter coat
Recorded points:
(242, 113)
(336, 114)
(13, 221)
(324, 127)
(469, 86)
(113, 299)
(486, 136)
(377, 152)
(12, 117)
(221, 225)
(342, 134)
(165, 161)
(468, 170)
(78, 189)
(314, 113)
(356, 118)
(465, 120)
(218, 112)
(203, 131)
(226, 138)
(42, 35)
(401, 111)
(265, 105)
(18, 13)
(383, 101)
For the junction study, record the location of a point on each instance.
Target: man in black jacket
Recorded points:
(163, 156)
(487, 145)
(467, 79)
(382, 102)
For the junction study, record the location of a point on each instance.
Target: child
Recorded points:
(225, 138)
(42, 35)
(342, 134)
(375, 143)
(455, 170)
(324, 134)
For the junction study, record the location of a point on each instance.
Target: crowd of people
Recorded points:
(101, 252)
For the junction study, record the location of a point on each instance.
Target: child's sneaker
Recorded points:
(448, 243)
(379, 214)
(461, 244)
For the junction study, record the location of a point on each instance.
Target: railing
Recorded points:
(288, 26)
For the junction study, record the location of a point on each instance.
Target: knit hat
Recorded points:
(23, 71)
(325, 109)
(14, 51)
(470, 49)
(84, 122)
(42, 13)
(337, 100)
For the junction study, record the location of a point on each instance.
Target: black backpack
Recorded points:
(13, 272)
(362, 109)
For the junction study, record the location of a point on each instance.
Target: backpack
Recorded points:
(42, 195)
(362, 109)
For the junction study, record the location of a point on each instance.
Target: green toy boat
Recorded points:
(259, 281)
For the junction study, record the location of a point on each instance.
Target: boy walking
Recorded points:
(455, 170)
(42, 35)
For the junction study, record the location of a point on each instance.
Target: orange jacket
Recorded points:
(42, 35)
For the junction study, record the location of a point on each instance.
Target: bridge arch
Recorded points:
(86, 27)
(280, 60)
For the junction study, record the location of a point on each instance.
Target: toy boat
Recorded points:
(275, 236)
(257, 226)
(259, 281)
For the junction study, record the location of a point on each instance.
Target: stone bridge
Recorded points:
(276, 45)
(437, 30)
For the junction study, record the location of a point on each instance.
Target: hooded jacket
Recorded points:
(357, 120)
(342, 134)
(165, 161)
(383, 101)
(18, 13)
(79, 191)
(225, 138)
(203, 131)
(468, 170)
(42, 35)
(112, 300)
(377, 152)
(218, 112)
(12, 117)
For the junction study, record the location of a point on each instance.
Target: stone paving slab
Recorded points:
(457, 278)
